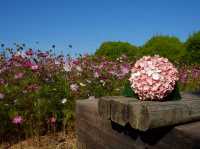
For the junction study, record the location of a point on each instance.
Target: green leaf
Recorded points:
(128, 91)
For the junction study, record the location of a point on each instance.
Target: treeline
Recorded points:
(187, 52)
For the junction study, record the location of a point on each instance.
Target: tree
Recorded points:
(167, 46)
(114, 50)
(193, 48)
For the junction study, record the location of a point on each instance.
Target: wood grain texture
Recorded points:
(144, 115)
(94, 132)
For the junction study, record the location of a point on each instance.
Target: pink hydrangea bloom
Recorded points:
(17, 120)
(153, 78)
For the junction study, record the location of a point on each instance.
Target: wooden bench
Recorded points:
(115, 128)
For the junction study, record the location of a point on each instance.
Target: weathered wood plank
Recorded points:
(91, 128)
(120, 109)
(113, 107)
(186, 96)
(95, 132)
(104, 107)
(145, 115)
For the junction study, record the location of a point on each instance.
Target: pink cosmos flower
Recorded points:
(153, 78)
(29, 52)
(96, 74)
(17, 120)
(27, 64)
(52, 120)
(67, 67)
(112, 72)
(78, 68)
(74, 87)
(20, 54)
(124, 70)
(2, 96)
(34, 67)
(2, 82)
(75, 62)
(43, 54)
(19, 75)
(31, 88)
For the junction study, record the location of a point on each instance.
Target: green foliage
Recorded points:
(193, 48)
(114, 50)
(166, 46)
(175, 94)
(128, 91)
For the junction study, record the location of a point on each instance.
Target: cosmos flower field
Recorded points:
(38, 89)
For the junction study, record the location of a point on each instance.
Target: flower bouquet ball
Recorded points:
(153, 78)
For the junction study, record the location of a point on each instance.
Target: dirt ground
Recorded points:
(51, 141)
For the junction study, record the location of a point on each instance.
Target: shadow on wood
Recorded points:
(150, 137)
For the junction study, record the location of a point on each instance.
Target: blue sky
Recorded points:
(87, 23)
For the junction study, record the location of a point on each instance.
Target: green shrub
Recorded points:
(166, 46)
(114, 50)
(193, 48)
